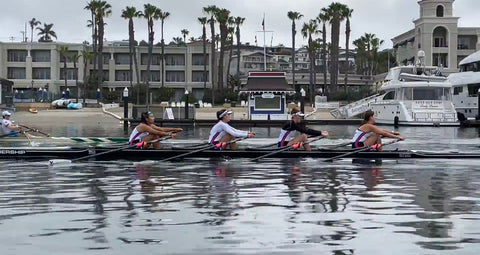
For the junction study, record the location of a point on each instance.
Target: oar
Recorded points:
(138, 145)
(339, 145)
(373, 147)
(36, 130)
(209, 146)
(293, 146)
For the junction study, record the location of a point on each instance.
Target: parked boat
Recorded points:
(465, 85)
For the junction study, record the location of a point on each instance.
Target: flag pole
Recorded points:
(264, 46)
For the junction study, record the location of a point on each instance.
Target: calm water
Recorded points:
(233, 206)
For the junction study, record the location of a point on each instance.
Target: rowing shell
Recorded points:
(152, 154)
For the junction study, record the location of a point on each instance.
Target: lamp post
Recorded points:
(125, 110)
(186, 104)
(302, 100)
(33, 94)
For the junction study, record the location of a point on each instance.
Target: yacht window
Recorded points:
(473, 89)
(428, 93)
(408, 93)
(457, 90)
(389, 96)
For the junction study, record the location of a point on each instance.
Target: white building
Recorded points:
(437, 33)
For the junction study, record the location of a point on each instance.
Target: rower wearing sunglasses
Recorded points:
(296, 131)
(147, 131)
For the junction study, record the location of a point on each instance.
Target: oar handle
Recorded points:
(35, 130)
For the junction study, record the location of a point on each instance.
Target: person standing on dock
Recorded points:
(8, 128)
(296, 131)
(369, 134)
(223, 132)
(147, 131)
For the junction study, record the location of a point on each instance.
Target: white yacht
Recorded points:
(465, 87)
(415, 95)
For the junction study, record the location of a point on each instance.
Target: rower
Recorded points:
(369, 134)
(8, 128)
(296, 131)
(147, 131)
(223, 132)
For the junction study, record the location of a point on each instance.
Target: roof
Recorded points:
(267, 82)
(474, 57)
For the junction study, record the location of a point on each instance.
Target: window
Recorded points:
(71, 74)
(156, 59)
(473, 89)
(439, 11)
(440, 59)
(430, 93)
(268, 103)
(122, 59)
(199, 60)
(154, 76)
(40, 55)
(175, 76)
(457, 90)
(122, 75)
(41, 73)
(197, 76)
(17, 55)
(105, 75)
(389, 96)
(175, 60)
(16, 73)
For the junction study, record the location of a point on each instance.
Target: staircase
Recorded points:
(351, 110)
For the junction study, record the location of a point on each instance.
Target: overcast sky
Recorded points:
(385, 18)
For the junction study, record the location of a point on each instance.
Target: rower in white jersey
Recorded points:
(369, 134)
(223, 132)
(147, 131)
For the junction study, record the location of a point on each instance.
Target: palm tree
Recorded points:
(163, 16)
(203, 21)
(150, 13)
(130, 13)
(75, 57)
(46, 33)
(323, 18)
(376, 43)
(211, 10)
(294, 16)
(33, 24)
(231, 32)
(92, 7)
(222, 16)
(63, 51)
(103, 10)
(184, 34)
(309, 29)
(347, 13)
(238, 22)
(334, 13)
(87, 56)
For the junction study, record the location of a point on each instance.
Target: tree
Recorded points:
(163, 16)
(231, 31)
(238, 22)
(210, 10)
(292, 15)
(334, 13)
(347, 13)
(75, 57)
(33, 23)
(92, 7)
(87, 56)
(222, 16)
(103, 10)
(309, 29)
(203, 21)
(323, 18)
(150, 13)
(184, 34)
(130, 13)
(63, 51)
(46, 33)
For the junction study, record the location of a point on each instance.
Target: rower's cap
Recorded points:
(6, 113)
(296, 111)
(222, 113)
